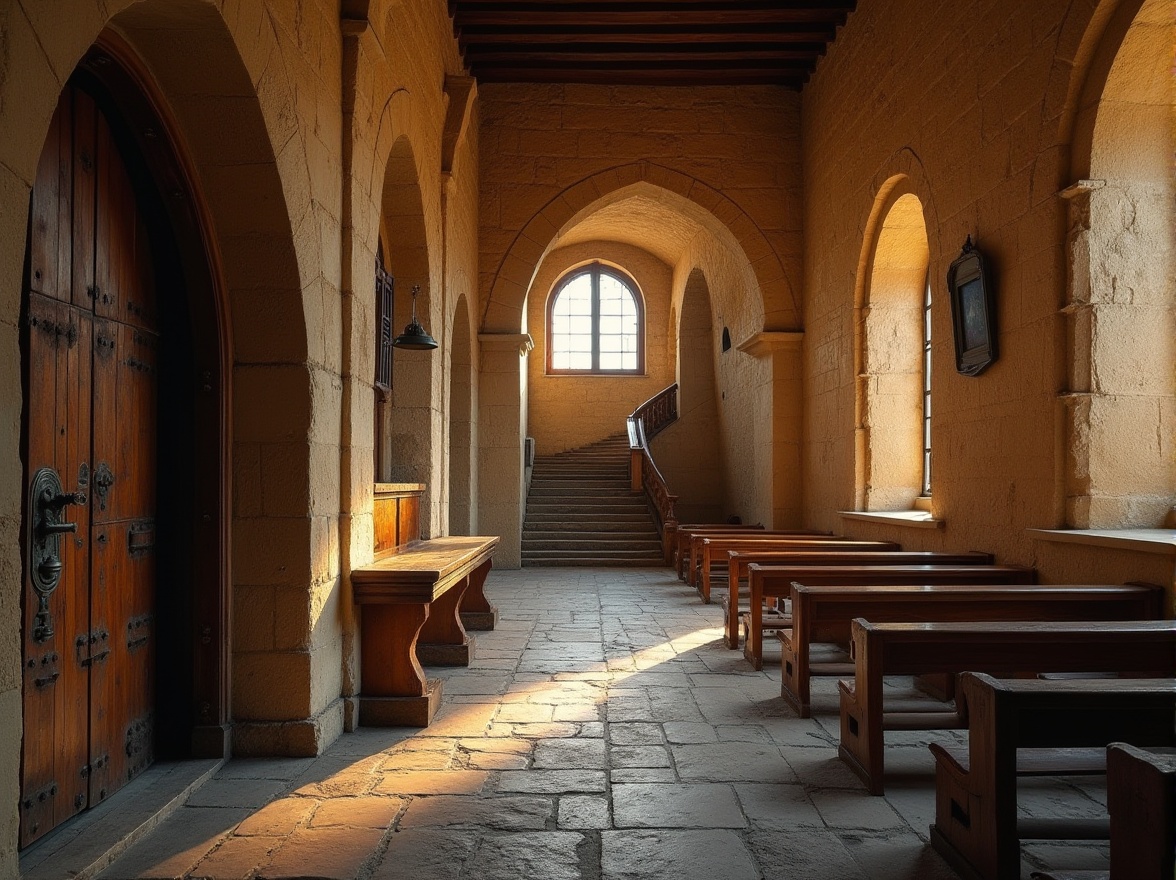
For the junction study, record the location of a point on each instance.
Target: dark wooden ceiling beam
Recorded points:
(657, 55)
(624, 20)
(476, 36)
(661, 77)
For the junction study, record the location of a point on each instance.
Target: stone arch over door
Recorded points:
(241, 194)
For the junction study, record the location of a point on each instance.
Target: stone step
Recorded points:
(587, 562)
(581, 492)
(565, 524)
(592, 543)
(579, 507)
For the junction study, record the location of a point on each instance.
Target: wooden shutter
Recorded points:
(384, 300)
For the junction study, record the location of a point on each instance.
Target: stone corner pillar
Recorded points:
(778, 449)
(502, 427)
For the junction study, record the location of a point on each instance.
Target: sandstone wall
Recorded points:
(973, 106)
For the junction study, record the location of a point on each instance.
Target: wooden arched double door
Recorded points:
(91, 359)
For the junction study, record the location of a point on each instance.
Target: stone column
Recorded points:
(502, 425)
(778, 449)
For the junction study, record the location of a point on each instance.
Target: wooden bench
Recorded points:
(844, 554)
(411, 604)
(694, 546)
(1001, 648)
(1037, 727)
(680, 541)
(715, 551)
(775, 582)
(1141, 798)
(825, 614)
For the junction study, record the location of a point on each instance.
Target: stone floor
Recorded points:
(603, 731)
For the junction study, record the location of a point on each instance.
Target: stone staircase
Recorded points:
(580, 510)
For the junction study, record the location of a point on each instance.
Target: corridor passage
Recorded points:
(603, 731)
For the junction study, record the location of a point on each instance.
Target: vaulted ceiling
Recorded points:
(646, 42)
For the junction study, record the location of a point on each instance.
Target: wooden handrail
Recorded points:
(643, 425)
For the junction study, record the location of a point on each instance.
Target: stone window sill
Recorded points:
(1161, 541)
(915, 519)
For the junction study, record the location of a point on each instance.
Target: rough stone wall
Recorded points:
(972, 105)
(569, 411)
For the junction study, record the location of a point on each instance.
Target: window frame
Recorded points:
(595, 270)
(925, 422)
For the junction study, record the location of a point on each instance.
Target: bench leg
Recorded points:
(794, 674)
(731, 634)
(861, 734)
(476, 611)
(443, 640)
(395, 691)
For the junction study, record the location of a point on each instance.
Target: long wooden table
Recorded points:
(841, 555)
(775, 581)
(1000, 648)
(825, 614)
(1030, 725)
(411, 613)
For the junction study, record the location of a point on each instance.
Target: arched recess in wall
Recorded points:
(405, 425)
(889, 351)
(1121, 304)
(771, 302)
(251, 191)
(225, 268)
(461, 408)
(689, 452)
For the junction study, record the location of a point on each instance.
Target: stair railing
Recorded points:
(643, 425)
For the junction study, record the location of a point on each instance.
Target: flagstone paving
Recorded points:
(602, 732)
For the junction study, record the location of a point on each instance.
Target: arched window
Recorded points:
(595, 323)
(894, 393)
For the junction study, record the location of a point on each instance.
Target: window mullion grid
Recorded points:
(595, 319)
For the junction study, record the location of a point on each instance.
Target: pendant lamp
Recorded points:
(415, 337)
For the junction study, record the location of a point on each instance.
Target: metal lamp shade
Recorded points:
(415, 338)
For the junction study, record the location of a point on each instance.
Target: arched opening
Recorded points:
(461, 441)
(894, 358)
(1121, 314)
(690, 451)
(405, 448)
(119, 267)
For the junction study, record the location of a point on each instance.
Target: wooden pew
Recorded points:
(1141, 798)
(683, 533)
(1000, 648)
(775, 582)
(694, 545)
(412, 603)
(825, 613)
(1033, 726)
(847, 553)
(714, 551)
